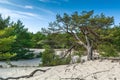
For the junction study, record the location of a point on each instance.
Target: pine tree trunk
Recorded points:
(89, 53)
(89, 47)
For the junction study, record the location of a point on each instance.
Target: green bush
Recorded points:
(47, 56)
(23, 54)
(107, 50)
(60, 61)
(50, 59)
(6, 56)
(65, 60)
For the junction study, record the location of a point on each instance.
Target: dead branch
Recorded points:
(97, 72)
(69, 50)
(113, 59)
(25, 76)
(71, 79)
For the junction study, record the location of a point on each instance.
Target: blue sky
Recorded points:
(36, 14)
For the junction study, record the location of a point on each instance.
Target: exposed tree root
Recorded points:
(84, 78)
(25, 76)
(96, 73)
(111, 58)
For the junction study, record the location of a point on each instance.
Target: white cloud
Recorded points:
(26, 13)
(50, 1)
(6, 12)
(10, 3)
(5, 2)
(16, 5)
(28, 7)
(44, 0)
(45, 10)
(66, 0)
(54, 1)
(19, 14)
(32, 21)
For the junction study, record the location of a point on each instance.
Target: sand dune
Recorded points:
(90, 70)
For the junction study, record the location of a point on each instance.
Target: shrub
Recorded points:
(47, 56)
(50, 59)
(108, 51)
(23, 54)
(6, 56)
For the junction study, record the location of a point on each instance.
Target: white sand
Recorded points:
(32, 62)
(111, 71)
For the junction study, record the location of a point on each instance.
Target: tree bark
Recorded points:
(89, 53)
(87, 44)
(89, 47)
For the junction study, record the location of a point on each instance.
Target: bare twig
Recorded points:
(97, 72)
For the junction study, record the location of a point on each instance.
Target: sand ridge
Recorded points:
(90, 70)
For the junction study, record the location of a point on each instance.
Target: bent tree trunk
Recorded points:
(89, 53)
(88, 44)
(89, 47)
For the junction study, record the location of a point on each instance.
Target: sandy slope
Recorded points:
(91, 70)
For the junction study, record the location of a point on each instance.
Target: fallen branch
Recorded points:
(96, 73)
(71, 79)
(83, 78)
(111, 58)
(25, 76)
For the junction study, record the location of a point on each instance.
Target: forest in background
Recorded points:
(83, 32)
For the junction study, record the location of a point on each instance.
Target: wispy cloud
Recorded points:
(28, 7)
(66, 0)
(31, 20)
(19, 14)
(50, 1)
(5, 2)
(6, 12)
(53, 1)
(44, 0)
(10, 3)
(45, 10)
(16, 5)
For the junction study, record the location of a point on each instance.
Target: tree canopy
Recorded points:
(83, 31)
(82, 27)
